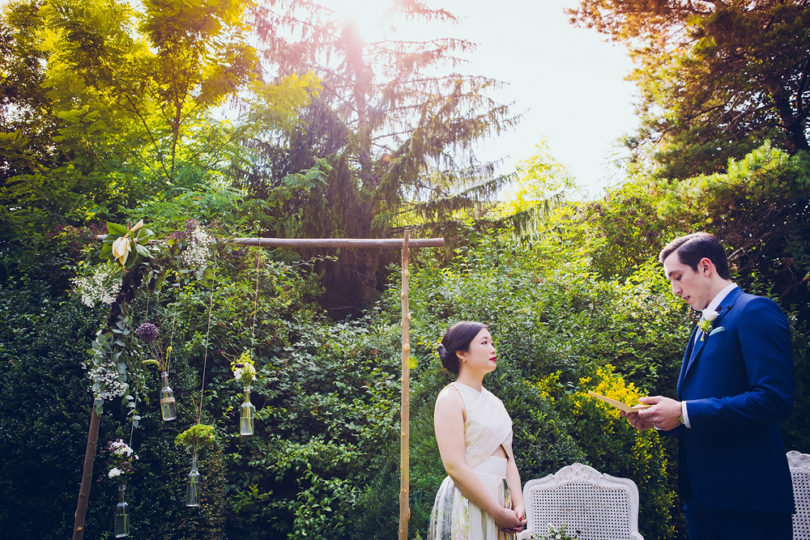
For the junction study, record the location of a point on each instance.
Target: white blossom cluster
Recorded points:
(245, 373)
(120, 448)
(106, 379)
(198, 250)
(123, 456)
(102, 286)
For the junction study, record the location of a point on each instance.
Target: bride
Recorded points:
(474, 434)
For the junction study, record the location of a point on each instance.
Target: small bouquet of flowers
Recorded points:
(556, 534)
(121, 460)
(244, 369)
(194, 439)
(149, 333)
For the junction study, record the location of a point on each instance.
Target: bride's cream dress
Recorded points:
(487, 426)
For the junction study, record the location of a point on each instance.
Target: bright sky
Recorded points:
(567, 82)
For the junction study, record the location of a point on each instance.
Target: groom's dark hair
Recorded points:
(696, 246)
(457, 338)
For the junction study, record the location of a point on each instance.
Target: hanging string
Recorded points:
(207, 334)
(140, 356)
(131, 432)
(171, 335)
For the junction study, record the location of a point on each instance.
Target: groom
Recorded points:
(735, 386)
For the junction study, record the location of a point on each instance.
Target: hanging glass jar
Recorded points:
(168, 409)
(248, 413)
(193, 486)
(121, 517)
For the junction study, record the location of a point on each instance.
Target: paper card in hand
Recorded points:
(618, 404)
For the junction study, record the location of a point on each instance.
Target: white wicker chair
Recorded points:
(800, 472)
(592, 505)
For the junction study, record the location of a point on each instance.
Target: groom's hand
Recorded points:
(664, 414)
(636, 421)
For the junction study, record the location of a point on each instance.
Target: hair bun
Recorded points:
(442, 353)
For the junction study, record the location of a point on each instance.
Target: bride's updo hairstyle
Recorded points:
(458, 338)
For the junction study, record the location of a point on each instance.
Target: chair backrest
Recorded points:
(592, 505)
(800, 472)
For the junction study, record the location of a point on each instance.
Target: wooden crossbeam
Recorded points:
(380, 243)
(354, 243)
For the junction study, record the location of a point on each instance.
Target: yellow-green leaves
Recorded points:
(195, 437)
(277, 105)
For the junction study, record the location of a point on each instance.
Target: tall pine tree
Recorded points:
(395, 121)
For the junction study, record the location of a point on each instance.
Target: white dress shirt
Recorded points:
(711, 307)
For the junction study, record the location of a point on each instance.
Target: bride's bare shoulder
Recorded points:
(449, 396)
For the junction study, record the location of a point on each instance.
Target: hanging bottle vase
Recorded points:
(121, 517)
(193, 486)
(247, 414)
(167, 407)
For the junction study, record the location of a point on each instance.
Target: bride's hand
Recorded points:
(509, 520)
(521, 515)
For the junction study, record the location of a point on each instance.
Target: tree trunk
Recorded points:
(87, 474)
(792, 123)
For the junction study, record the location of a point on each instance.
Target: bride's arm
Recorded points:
(515, 489)
(448, 422)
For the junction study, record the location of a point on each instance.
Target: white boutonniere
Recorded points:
(707, 322)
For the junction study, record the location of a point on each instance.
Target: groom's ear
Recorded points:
(706, 267)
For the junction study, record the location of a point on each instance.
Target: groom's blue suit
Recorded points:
(737, 383)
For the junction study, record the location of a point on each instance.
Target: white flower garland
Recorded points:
(198, 250)
(106, 378)
(102, 286)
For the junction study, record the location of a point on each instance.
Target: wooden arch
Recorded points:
(405, 244)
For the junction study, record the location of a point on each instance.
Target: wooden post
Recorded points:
(87, 473)
(404, 464)
(129, 285)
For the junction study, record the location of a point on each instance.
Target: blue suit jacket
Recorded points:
(738, 385)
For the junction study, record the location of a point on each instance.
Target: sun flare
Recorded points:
(369, 16)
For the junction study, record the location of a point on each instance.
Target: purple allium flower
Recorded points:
(147, 332)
